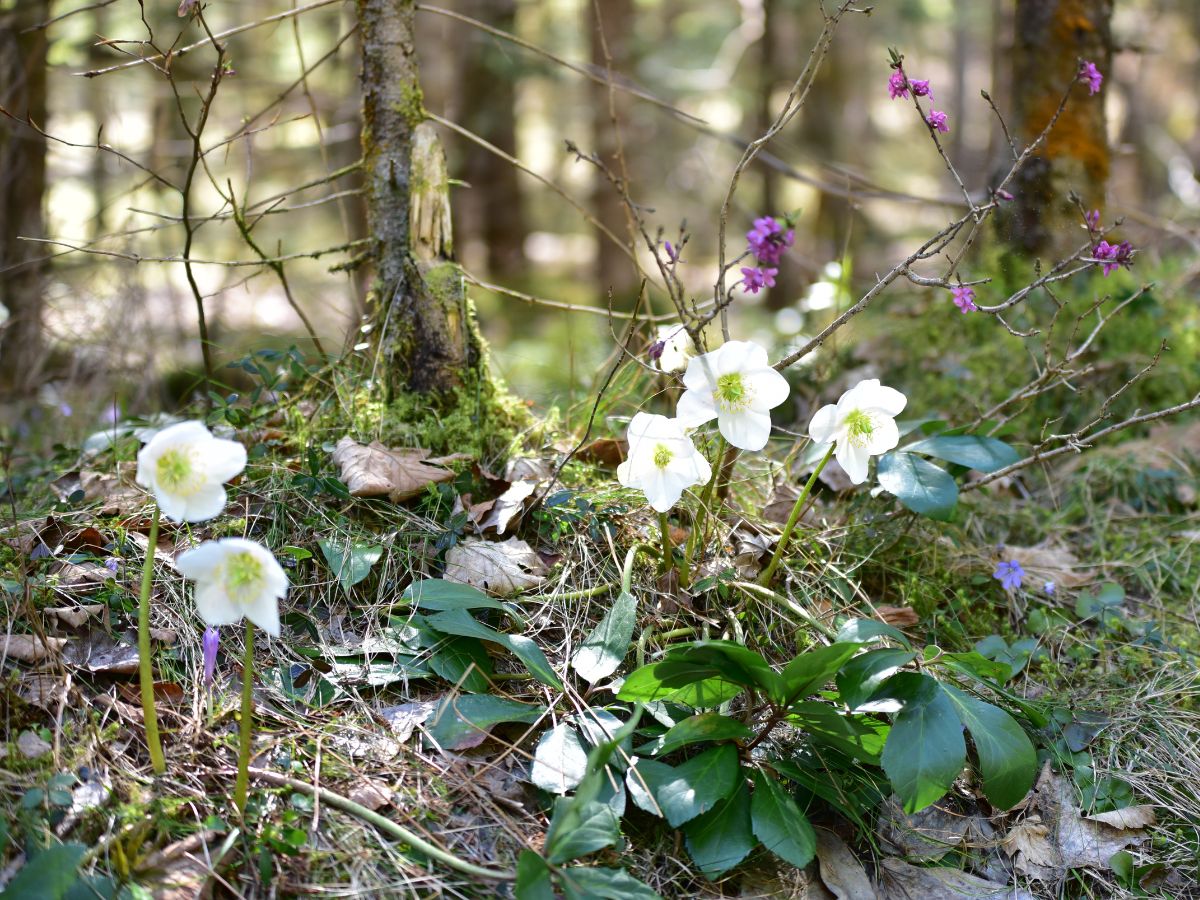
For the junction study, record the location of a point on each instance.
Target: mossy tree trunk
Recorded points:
(22, 182)
(1051, 37)
(424, 332)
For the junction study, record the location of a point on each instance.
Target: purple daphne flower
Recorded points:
(112, 564)
(1009, 573)
(1090, 75)
(1113, 256)
(768, 240)
(937, 119)
(209, 642)
(897, 85)
(920, 88)
(1092, 219)
(754, 280)
(964, 298)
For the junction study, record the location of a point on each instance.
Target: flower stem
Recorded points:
(243, 770)
(699, 520)
(145, 665)
(765, 578)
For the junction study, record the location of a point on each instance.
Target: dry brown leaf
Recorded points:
(82, 577)
(1129, 817)
(503, 568)
(371, 793)
(75, 616)
(902, 881)
(899, 616)
(404, 719)
(507, 508)
(99, 653)
(606, 451)
(527, 468)
(1049, 563)
(29, 648)
(31, 746)
(42, 689)
(926, 835)
(376, 471)
(840, 869)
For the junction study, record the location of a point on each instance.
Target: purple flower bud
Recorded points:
(921, 88)
(937, 120)
(672, 253)
(897, 85)
(1092, 219)
(656, 350)
(210, 641)
(964, 298)
(1113, 257)
(1004, 195)
(1090, 75)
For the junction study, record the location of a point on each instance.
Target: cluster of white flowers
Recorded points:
(185, 466)
(736, 385)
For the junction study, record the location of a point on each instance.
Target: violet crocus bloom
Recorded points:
(210, 642)
(754, 280)
(768, 240)
(937, 119)
(1009, 573)
(1090, 75)
(897, 85)
(920, 88)
(964, 298)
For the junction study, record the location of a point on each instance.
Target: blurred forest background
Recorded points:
(118, 332)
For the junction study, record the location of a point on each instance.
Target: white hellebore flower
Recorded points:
(186, 468)
(676, 347)
(662, 460)
(234, 578)
(735, 385)
(863, 422)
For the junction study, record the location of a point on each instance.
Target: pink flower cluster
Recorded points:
(899, 85)
(768, 240)
(1113, 256)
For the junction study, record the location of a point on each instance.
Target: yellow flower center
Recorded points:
(732, 393)
(859, 427)
(662, 455)
(243, 577)
(176, 474)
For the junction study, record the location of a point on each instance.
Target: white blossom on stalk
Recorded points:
(676, 347)
(735, 385)
(234, 578)
(186, 468)
(662, 460)
(862, 422)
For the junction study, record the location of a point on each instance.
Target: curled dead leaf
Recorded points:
(76, 616)
(507, 508)
(501, 568)
(841, 871)
(29, 648)
(1129, 817)
(377, 471)
(899, 616)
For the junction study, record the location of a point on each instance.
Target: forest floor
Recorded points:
(1101, 638)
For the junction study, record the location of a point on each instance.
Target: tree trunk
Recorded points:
(424, 330)
(614, 270)
(1050, 39)
(22, 182)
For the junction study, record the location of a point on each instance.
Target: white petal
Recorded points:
(740, 356)
(147, 460)
(662, 491)
(172, 506)
(223, 460)
(767, 389)
(884, 436)
(192, 432)
(701, 374)
(886, 400)
(207, 503)
(201, 562)
(692, 469)
(695, 408)
(824, 425)
(854, 460)
(748, 430)
(213, 604)
(624, 473)
(263, 611)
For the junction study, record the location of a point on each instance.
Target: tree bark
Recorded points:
(1051, 37)
(424, 330)
(22, 183)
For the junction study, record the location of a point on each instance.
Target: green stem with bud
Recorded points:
(243, 770)
(145, 664)
(765, 578)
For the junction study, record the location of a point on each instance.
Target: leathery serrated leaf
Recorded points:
(709, 726)
(722, 837)
(918, 484)
(560, 762)
(441, 595)
(691, 789)
(779, 824)
(984, 454)
(862, 676)
(1007, 759)
(461, 622)
(349, 562)
(925, 750)
(463, 721)
(602, 651)
(600, 883)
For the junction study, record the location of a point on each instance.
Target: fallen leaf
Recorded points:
(76, 616)
(82, 577)
(606, 451)
(166, 692)
(377, 471)
(99, 653)
(503, 568)
(508, 506)
(404, 719)
(1129, 817)
(1053, 838)
(371, 793)
(899, 616)
(1049, 563)
(31, 746)
(42, 689)
(926, 835)
(841, 871)
(527, 468)
(91, 794)
(29, 648)
(902, 881)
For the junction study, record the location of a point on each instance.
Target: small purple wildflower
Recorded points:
(1090, 75)
(920, 88)
(897, 85)
(112, 564)
(768, 240)
(672, 253)
(1113, 256)
(210, 642)
(1092, 219)
(656, 350)
(1049, 587)
(964, 298)
(754, 280)
(1009, 573)
(65, 409)
(937, 120)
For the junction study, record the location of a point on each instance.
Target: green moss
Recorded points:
(412, 106)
